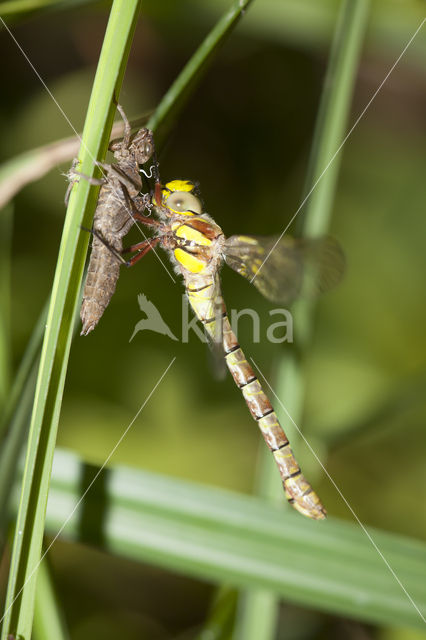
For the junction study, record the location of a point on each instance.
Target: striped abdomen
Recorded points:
(112, 222)
(297, 489)
(101, 280)
(201, 293)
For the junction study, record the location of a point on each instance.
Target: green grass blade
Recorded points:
(259, 610)
(16, 418)
(220, 620)
(30, 356)
(222, 536)
(11, 449)
(30, 525)
(168, 107)
(48, 621)
(328, 136)
(173, 101)
(18, 8)
(6, 220)
(257, 615)
(333, 115)
(32, 165)
(15, 422)
(321, 182)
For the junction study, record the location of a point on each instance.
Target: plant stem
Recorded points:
(174, 99)
(54, 358)
(320, 188)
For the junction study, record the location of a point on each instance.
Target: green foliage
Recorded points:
(244, 133)
(54, 357)
(239, 540)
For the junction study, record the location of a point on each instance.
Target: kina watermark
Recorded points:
(279, 330)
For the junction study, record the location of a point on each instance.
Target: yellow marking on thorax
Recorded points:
(189, 261)
(189, 233)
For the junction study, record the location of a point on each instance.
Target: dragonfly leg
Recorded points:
(90, 179)
(134, 212)
(115, 171)
(157, 192)
(104, 242)
(74, 176)
(141, 248)
(149, 222)
(127, 127)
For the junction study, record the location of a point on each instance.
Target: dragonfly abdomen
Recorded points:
(102, 276)
(297, 489)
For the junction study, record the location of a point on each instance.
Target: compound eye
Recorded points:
(147, 149)
(144, 152)
(182, 202)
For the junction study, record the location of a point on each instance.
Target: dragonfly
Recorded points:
(279, 268)
(119, 196)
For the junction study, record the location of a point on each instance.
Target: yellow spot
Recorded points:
(199, 296)
(287, 455)
(190, 234)
(179, 185)
(296, 486)
(248, 240)
(232, 359)
(189, 262)
(250, 394)
(268, 427)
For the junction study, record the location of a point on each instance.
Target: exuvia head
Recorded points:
(142, 145)
(178, 196)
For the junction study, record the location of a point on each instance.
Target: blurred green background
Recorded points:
(245, 136)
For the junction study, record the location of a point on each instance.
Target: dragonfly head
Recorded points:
(178, 196)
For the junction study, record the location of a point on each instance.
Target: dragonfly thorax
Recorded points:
(197, 244)
(194, 240)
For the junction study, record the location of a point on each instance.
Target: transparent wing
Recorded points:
(285, 268)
